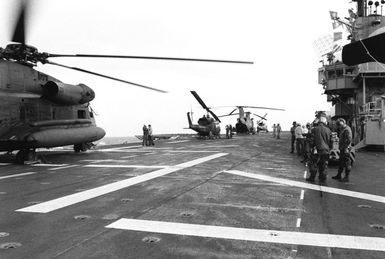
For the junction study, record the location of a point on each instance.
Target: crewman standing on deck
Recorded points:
(292, 131)
(345, 142)
(145, 136)
(320, 153)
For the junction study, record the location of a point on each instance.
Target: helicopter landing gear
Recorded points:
(26, 155)
(82, 147)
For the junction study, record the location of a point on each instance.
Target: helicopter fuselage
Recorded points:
(206, 127)
(37, 110)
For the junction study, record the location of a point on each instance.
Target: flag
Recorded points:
(333, 15)
(337, 36)
(336, 24)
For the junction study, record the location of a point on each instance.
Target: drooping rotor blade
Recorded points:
(228, 115)
(200, 101)
(148, 57)
(231, 113)
(19, 30)
(266, 108)
(363, 51)
(109, 77)
(263, 118)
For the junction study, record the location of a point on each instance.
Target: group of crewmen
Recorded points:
(147, 136)
(313, 142)
(277, 131)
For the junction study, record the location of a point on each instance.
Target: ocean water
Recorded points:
(117, 140)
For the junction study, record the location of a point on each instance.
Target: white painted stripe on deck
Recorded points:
(5, 163)
(129, 166)
(298, 222)
(125, 157)
(302, 194)
(68, 200)
(16, 175)
(257, 235)
(61, 167)
(177, 141)
(192, 151)
(48, 165)
(359, 195)
(123, 150)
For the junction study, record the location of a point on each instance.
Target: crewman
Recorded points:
(274, 130)
(298, 139)
(320, 152)
(150, 139)
(227, 131)
(292, 131)
(145, 136)
(279, 129)
(345, 142)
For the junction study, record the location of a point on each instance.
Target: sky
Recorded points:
(277, 36)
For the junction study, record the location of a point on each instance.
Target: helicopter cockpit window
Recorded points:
(81, 114)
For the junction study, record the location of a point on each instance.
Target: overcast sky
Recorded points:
(276, 35)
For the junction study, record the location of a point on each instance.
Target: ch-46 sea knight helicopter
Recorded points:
(245, 124)
(39, 111)
(207, 127)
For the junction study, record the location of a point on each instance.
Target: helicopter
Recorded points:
(207, 127)
(245, 124)
(40, 111)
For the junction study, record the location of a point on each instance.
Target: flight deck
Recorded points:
(244, 197)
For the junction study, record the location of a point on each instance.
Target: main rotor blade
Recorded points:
(363, 51)
(266, 108)
(200, 101)
(19, 30)
(147, 57)
(228, 115)
(263, 118)
(101, 75)
(213, 114)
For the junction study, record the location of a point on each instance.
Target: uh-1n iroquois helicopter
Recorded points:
(39, 111)
(245, 124)
(207, 127)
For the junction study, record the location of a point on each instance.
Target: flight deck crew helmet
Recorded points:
(341, 121)
(323, 120)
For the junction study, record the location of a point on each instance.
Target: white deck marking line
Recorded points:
(129, 166)
(298, 222)
(178, 141)
(258, 235)
(61, 167)
(123, 150)
(192, 151)
(48, 165)
(359, 195)
(125, 157)
(71, 199)
(16, 175)
(302, 194)
(5, 163)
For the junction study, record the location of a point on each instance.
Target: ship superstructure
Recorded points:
(357, 93)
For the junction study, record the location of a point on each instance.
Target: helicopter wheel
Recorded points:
(82, 147)
(25, 155)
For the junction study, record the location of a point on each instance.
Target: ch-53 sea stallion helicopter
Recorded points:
(39, 111)
(207, 127)
(245, 124)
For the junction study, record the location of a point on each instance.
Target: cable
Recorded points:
(370, 55)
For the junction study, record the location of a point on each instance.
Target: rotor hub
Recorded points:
(24, 54)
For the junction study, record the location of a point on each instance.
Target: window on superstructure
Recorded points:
(331, 74)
